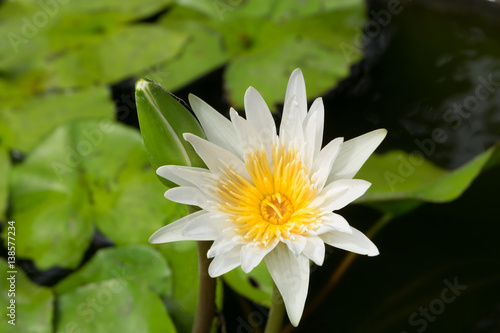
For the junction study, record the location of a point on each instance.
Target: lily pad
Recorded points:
(113, 305)
(4, 183)
(202, 53)
(399, 178)
(86, 172)
(126, 10)
(86, 64)
(38, 116)
(33, 307)
(127, 263)
(183, 260)
(321, 67)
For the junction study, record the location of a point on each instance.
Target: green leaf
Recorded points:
(256, 285)
(85, 172)
(405, 179)
(122, 10)
(38, 116)
(321, 67)
(221, 10)
(128, 263)
(286, 10)
(202, 53)
(163, 121)
(183, 260)
(4, 180)
(84, 65)
(114, 305)
(316, 37)
(34, 304)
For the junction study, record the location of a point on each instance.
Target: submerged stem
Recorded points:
(276, 312)
(205, 310)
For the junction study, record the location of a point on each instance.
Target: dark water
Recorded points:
(431, 69)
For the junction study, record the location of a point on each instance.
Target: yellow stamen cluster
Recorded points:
(276, 203)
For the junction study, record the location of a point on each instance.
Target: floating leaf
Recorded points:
(320, 65)
(202, 53)
(38, 116)
(33, 307)
(113, 305)
(84, 65)
(123, 10)
(399, 178)
(183, 260)
(4, 183)
(85, 172)
(128, 263)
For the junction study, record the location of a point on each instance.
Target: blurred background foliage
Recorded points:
(76, 179)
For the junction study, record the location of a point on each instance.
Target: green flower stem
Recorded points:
(205, 310)
(276, 313)
(339, 272)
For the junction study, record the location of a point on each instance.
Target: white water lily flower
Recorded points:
(268, 196)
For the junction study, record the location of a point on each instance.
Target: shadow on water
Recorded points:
(430, 69)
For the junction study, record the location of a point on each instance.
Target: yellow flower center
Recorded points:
(276, 209)
(276, 203)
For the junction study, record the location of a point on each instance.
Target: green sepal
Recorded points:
(163, 120)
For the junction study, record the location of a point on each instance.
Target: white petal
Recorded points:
(296, 245)
(188, 196)
(354, 154)
(173, 231)
(217, 158)
(340, 193)
(252, 255)
(211, 225)
(187, 176)
(165, 171)
(259, 115)
(224, 263)
(291, 275)
(315, 250)
(222, 245)
(291, 132)
(334, 222)
(217, 128)
(313, 125)
(247, 135)
(356, 242)
(297, 88)
(324, 161)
